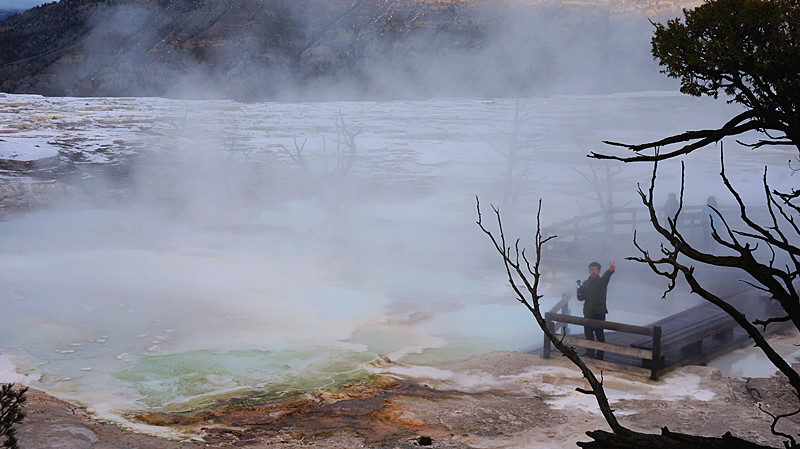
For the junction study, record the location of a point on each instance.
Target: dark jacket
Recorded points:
(593, 294)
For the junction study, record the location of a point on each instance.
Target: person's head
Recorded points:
(594, 269)
(712, 201)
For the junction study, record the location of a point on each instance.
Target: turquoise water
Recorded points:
(132, 313)
(202, 379)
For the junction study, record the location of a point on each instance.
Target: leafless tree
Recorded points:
(747, 51)
(523, 275)
(774, 271)
(604, 183)
(330, 180)
(516, 173)
(694, 140)
(766, 251)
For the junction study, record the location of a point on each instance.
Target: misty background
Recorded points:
(341, 49)
(263, 196)
(199, 256)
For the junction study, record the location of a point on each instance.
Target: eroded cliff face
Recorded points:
(98, 47)
(255, 49)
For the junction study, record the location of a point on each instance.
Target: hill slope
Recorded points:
(274, 48)
(6, 13)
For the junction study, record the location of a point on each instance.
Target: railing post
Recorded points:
(565, 298)
(546, 343)
(565, 308)
(656, 366)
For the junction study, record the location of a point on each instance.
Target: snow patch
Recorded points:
(557, 382)
(432, 377)
(26, 149)
(9, 372)
(676, 386)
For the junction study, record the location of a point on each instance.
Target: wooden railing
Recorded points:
(651, 358)
(623, 220)
(599, 226)
(562, 306)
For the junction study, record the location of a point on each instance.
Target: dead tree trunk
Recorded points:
(667, 440)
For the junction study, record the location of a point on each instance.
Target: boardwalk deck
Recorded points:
(692, 336)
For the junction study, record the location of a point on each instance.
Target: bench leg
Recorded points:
(694, 348)
(726, 335)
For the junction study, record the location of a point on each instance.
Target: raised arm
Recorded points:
(607, 275)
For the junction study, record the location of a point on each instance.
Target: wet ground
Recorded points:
(497, 400)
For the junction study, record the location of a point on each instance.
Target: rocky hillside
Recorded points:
(255, 49)
(6, 13)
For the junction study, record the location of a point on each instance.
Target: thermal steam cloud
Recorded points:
(341, 50)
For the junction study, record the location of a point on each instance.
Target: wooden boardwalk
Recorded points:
(692, 336)
(612, 230)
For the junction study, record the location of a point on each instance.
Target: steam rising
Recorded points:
(312, 50)
(221, 247)
(212, 252)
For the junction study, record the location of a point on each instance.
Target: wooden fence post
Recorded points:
(546, 344)
(656, 366)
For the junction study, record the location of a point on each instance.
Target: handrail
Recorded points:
(566, 224)
(610, 325)
(561, 304)
(654, 355)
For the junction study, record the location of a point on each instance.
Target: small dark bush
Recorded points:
(11, 401)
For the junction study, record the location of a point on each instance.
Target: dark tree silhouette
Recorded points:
(514, 147)
(523, 277)
(748, 50)
(773, 271)
(11, 400)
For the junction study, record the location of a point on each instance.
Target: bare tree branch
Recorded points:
(528, 294)
(764, 323)
(791, 443)
(740, 124)
(762, 143)
(767, 278)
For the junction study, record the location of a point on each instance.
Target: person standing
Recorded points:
(711, 221)
(670, 207)
(593, 294)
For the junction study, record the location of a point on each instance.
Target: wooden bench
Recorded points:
(686, 331)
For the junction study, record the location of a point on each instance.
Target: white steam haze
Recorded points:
(198, 259)
(306, 51)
